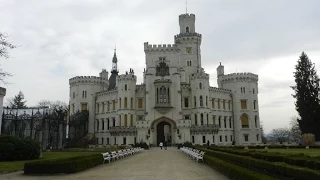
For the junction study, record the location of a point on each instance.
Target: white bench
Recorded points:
(106, 156)
(193, 153)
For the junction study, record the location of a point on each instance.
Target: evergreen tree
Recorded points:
(307, 96)
(18, 102)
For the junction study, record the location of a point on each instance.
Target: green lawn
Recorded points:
(309, 152)
(12, 166)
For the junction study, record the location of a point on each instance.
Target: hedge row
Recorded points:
(234, 171)
(275, 147)
(271, 167)
(65, 165)
(15, 148)
(300, 160)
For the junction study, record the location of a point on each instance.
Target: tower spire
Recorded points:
(186, 6)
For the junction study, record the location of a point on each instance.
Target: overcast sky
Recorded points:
(61, 39)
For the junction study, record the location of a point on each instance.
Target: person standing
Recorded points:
(161, 144)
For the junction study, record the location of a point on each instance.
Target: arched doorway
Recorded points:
(164, 132)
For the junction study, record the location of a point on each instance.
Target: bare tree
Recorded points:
(295, 132)
(263, 136)
(53, 104)
(280, 135)
(4, 46)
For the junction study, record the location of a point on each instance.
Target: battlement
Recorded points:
(107, 92)
(215, 89)
(187, 16)
(126, 77)
(187, 35)
(199, 75)
(88, 79)
(160, 47)
(141, 87)
(185, 86)
(244, 76)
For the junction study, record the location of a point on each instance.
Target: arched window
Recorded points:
(244, 121)
(187, 29)
(201, 119)
(200, 85)
(125, 87)
(125, 120)
(125, 103)
(256, 121)
(201, 101)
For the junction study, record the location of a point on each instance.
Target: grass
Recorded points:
(12, 166)
(309, 152)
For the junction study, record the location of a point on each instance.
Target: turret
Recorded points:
(220, 72)
(187, 23)
(114, 72)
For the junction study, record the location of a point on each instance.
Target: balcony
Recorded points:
(117, 130)
(163, 108)
(210, 128)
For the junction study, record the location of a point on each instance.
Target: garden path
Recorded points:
(146, 165)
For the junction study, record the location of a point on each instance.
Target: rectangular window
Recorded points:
(203, 139)
(102, 141)
(186, 102)
(115, 140)
(102, 124)
(224, 104)
(254, 104)
(114, 105)
(212, 103)
(124, 141)
(131, 103)
(246, 137)
(253, 90)
(218, 103)
(97, 106)
(213, 119)
(195, 101)
(257, 137)
(225, 122)
(243, 104)
(230, 122)
(140, 105)
(187, 117)
(192, 139)
(226, 138)
(220, 138)
(108, 106)
(219, 121)
(84, 107)
(108, 142)
(231, 138)
(213, 139)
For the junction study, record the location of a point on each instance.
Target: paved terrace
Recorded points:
(146, 165)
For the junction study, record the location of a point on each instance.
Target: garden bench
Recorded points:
(106, 156)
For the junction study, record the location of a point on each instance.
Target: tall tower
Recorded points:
(189, 43)
(114, 72)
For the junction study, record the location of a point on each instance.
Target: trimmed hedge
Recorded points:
(272, 167)
(15, 148)
(300, 160)
(65, 165)
(234, 171)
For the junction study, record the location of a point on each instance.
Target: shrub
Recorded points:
(15, 148)
(187, 144)
(143, 145)
(234, 171)
(65, 165)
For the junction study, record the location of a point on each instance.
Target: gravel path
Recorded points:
(149, 164)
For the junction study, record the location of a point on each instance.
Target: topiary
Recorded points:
(15, 148)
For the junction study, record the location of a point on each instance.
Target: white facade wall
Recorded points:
(185, 75)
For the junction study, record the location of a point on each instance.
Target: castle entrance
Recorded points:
(164, 133)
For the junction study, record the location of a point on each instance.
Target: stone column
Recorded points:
(2, 94)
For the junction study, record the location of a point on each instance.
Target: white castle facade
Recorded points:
(175, 102)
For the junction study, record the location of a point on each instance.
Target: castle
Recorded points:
(175, 102)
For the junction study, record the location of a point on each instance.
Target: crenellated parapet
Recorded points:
(126, 77)
(141, 88)
(220, 90)
(246, 76)
(199, 75)
(88, 80)
(108, 92)
(185, 86)
(160, 47)
(187, 17)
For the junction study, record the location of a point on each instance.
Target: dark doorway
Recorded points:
(161, 136)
